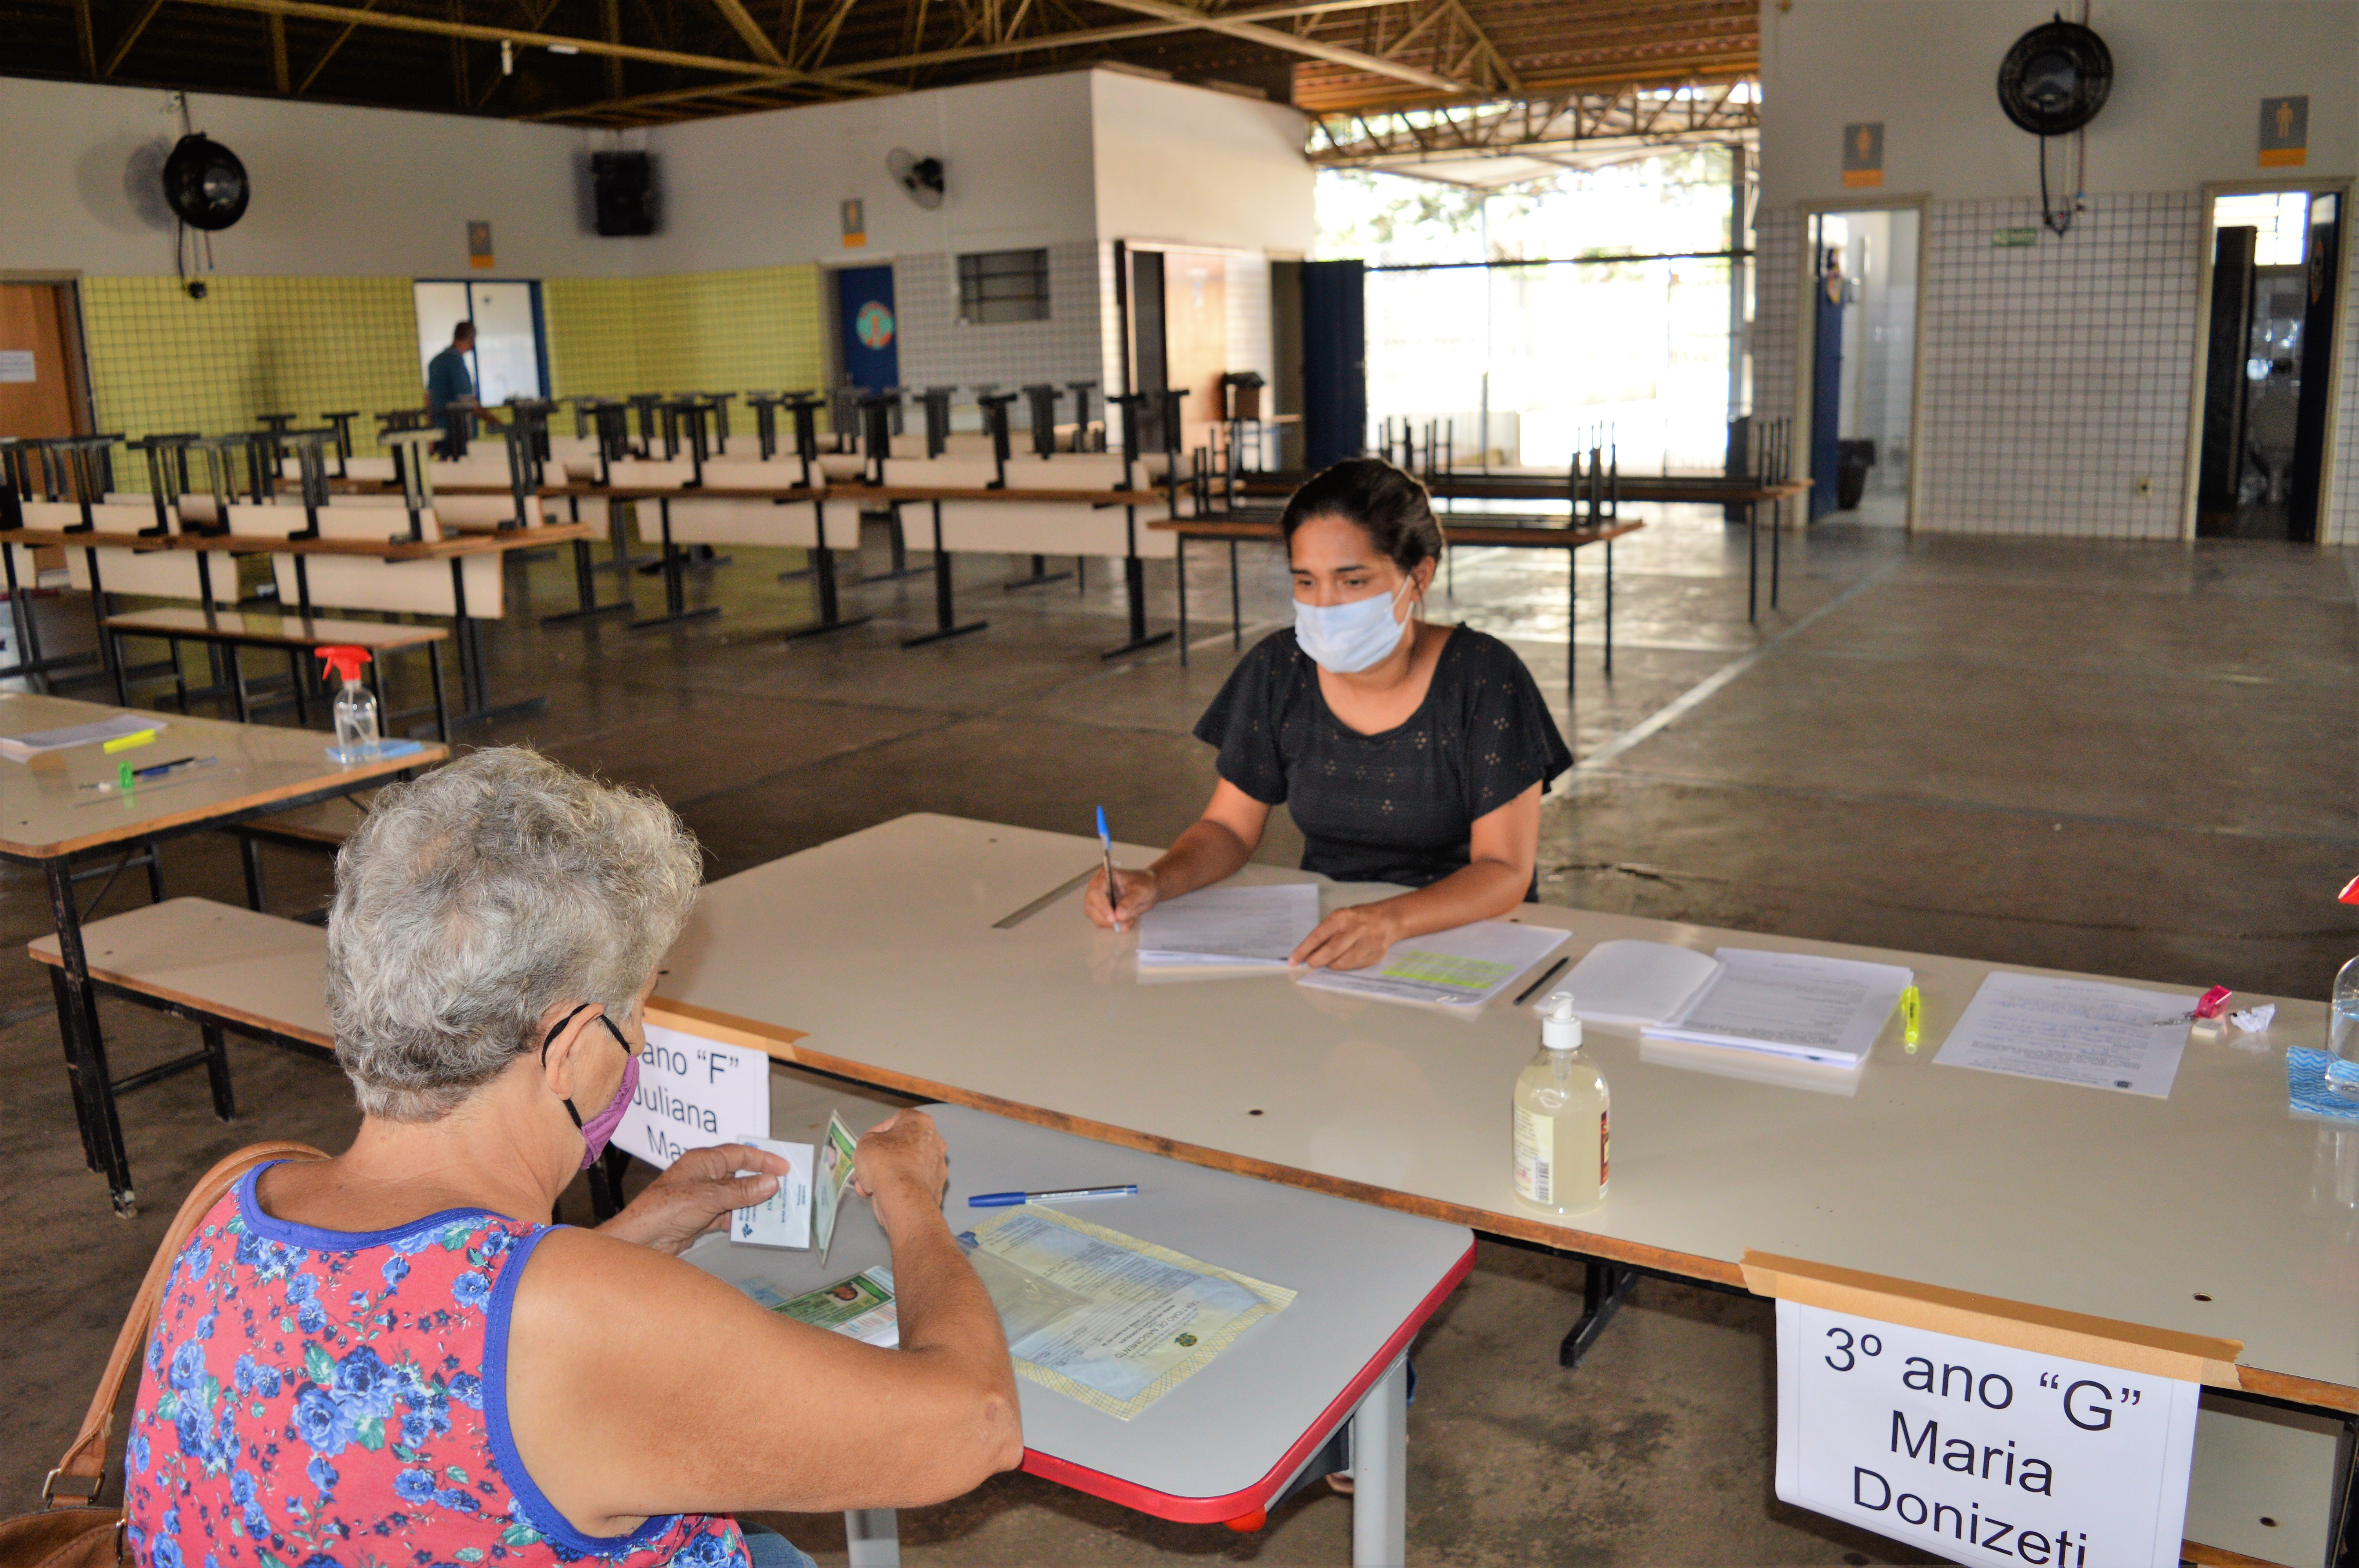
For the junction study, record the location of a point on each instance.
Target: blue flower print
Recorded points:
(211, 1560)
(458, 1500)
(188, 1367)
(241, 1377)
(138, 1451)
(257, 1523)
(494, 1244)
(413, 1486)
(166, 1553)
(468, 1389)
(321, 1421)
(418, 1241)
(302, 1288)
(704, 1552)
(365, 1384)
(170, 1521)
(241, 1487)
(397, 1269)
(471, 1289)
(192, 1428)
(310, 1319)
(323, 1474)
(320, 1559)
(201, 1261)
(204, 1329)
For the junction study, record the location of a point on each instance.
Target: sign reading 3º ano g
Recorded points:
(1982, 1452)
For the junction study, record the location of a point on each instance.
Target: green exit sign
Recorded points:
(2014, 239)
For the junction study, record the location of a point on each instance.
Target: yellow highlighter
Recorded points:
(124, 743)
(1912, 1015)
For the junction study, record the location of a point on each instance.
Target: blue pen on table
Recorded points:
(1070, 1194)
(1105, 846)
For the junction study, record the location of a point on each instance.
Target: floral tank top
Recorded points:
(325, 1399)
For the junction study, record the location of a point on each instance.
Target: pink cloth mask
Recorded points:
(599, 1130)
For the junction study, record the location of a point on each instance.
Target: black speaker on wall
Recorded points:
(624, 185)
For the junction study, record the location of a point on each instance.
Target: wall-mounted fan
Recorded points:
(920, 177)
(2052, 83)
(205, 184)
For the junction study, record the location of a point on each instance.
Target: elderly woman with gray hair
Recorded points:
(389, 1357)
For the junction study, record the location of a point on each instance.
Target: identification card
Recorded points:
(783, 1218)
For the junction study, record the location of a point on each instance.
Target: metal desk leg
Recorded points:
(1040, 574)
(1572, 620)
(237, 685)
(1752, 560)
(1133, 582)
(675, 592)
(85, 1047)
(619, 537)
(257, 896)
(474, 686)
(1236, 601)
(1776, 539)
(1603, 1290)
(872, 1538)
(945, 618)
(1380, 1473)
(1179, 562)
(822, 570)
(585, 578)
(1609, 606)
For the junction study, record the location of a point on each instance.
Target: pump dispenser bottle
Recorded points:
(356, 738)
(1563, 1118)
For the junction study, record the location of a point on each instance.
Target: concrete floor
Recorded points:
(2136, 759)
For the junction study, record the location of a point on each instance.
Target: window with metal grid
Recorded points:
(1003, 286)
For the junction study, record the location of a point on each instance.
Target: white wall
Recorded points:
(765, 189)
(2188, 78)
(1191, 165)
(338, 191)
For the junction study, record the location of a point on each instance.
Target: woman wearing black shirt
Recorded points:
(1407, 753)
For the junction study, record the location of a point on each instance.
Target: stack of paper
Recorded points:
(1790, 1004)
(24, 748)
(1228, 927)
(1632, 982)
(1460, 969)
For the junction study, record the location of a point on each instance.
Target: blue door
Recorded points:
(871, 335)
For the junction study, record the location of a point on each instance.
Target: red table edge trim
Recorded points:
(1237, 1505)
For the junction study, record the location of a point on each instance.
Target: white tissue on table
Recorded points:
(2253, 1019)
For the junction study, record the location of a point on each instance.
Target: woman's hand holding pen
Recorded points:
(1135, 892)
(1352, 938)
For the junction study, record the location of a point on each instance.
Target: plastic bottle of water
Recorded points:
(2342, 1034)
(356, 738)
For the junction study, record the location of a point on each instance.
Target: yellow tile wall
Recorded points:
(162, 362)
(755, 329)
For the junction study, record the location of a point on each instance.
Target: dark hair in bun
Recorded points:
(1378, 499)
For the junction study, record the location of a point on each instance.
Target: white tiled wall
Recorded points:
(2057, 376)
(937, 352)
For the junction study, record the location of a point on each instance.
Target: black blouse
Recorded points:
(1397, 806)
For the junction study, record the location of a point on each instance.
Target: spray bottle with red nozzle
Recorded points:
(2342, 1023)
(356, 740)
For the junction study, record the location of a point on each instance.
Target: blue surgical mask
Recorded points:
(1345, 639)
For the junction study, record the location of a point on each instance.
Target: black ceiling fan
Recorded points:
(2052, 83)
(205, 184)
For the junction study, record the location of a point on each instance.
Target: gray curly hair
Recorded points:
(472, 900)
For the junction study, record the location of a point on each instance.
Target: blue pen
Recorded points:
(1105, 846)
(1070, 1194)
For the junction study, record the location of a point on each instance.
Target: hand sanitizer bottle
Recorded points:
(356, 738)
(1563, 1118)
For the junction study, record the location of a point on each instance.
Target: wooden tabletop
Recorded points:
(853, 492)
(1548, 535)
(391, 549)
(263, 629)
(2205, 1213)
(46, 815)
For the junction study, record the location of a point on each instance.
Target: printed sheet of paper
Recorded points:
(858, 1308)
(783, 1218)
(1256, 928)
(24, 748)
(1104, 1318)
(1790, 1004)
(834, 1175)
(2072, 1032)
(1461, 967)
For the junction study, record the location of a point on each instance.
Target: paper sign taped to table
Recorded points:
(694, 1093)
(1983, 1453)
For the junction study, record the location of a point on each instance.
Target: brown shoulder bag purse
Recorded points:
(72, 1530)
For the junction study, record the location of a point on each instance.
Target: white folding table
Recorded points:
(1238, 1436)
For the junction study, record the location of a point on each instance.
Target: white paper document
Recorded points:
(1104, 1318)
(2072, 1032)
(783, 1218)
(1790, 1004)
(1227, 928)
(1462, 968)
(24, 748)
(1634, 982)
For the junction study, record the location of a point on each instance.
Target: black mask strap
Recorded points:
(551, 1039)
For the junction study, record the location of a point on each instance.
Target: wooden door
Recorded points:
(40, 385)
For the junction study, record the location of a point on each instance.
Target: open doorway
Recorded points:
(511, 357)
(1863, 363)
(2268, 362)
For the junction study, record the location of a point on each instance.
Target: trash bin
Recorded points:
(1852, 459)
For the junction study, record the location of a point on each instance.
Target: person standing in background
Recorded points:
(449, 385)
